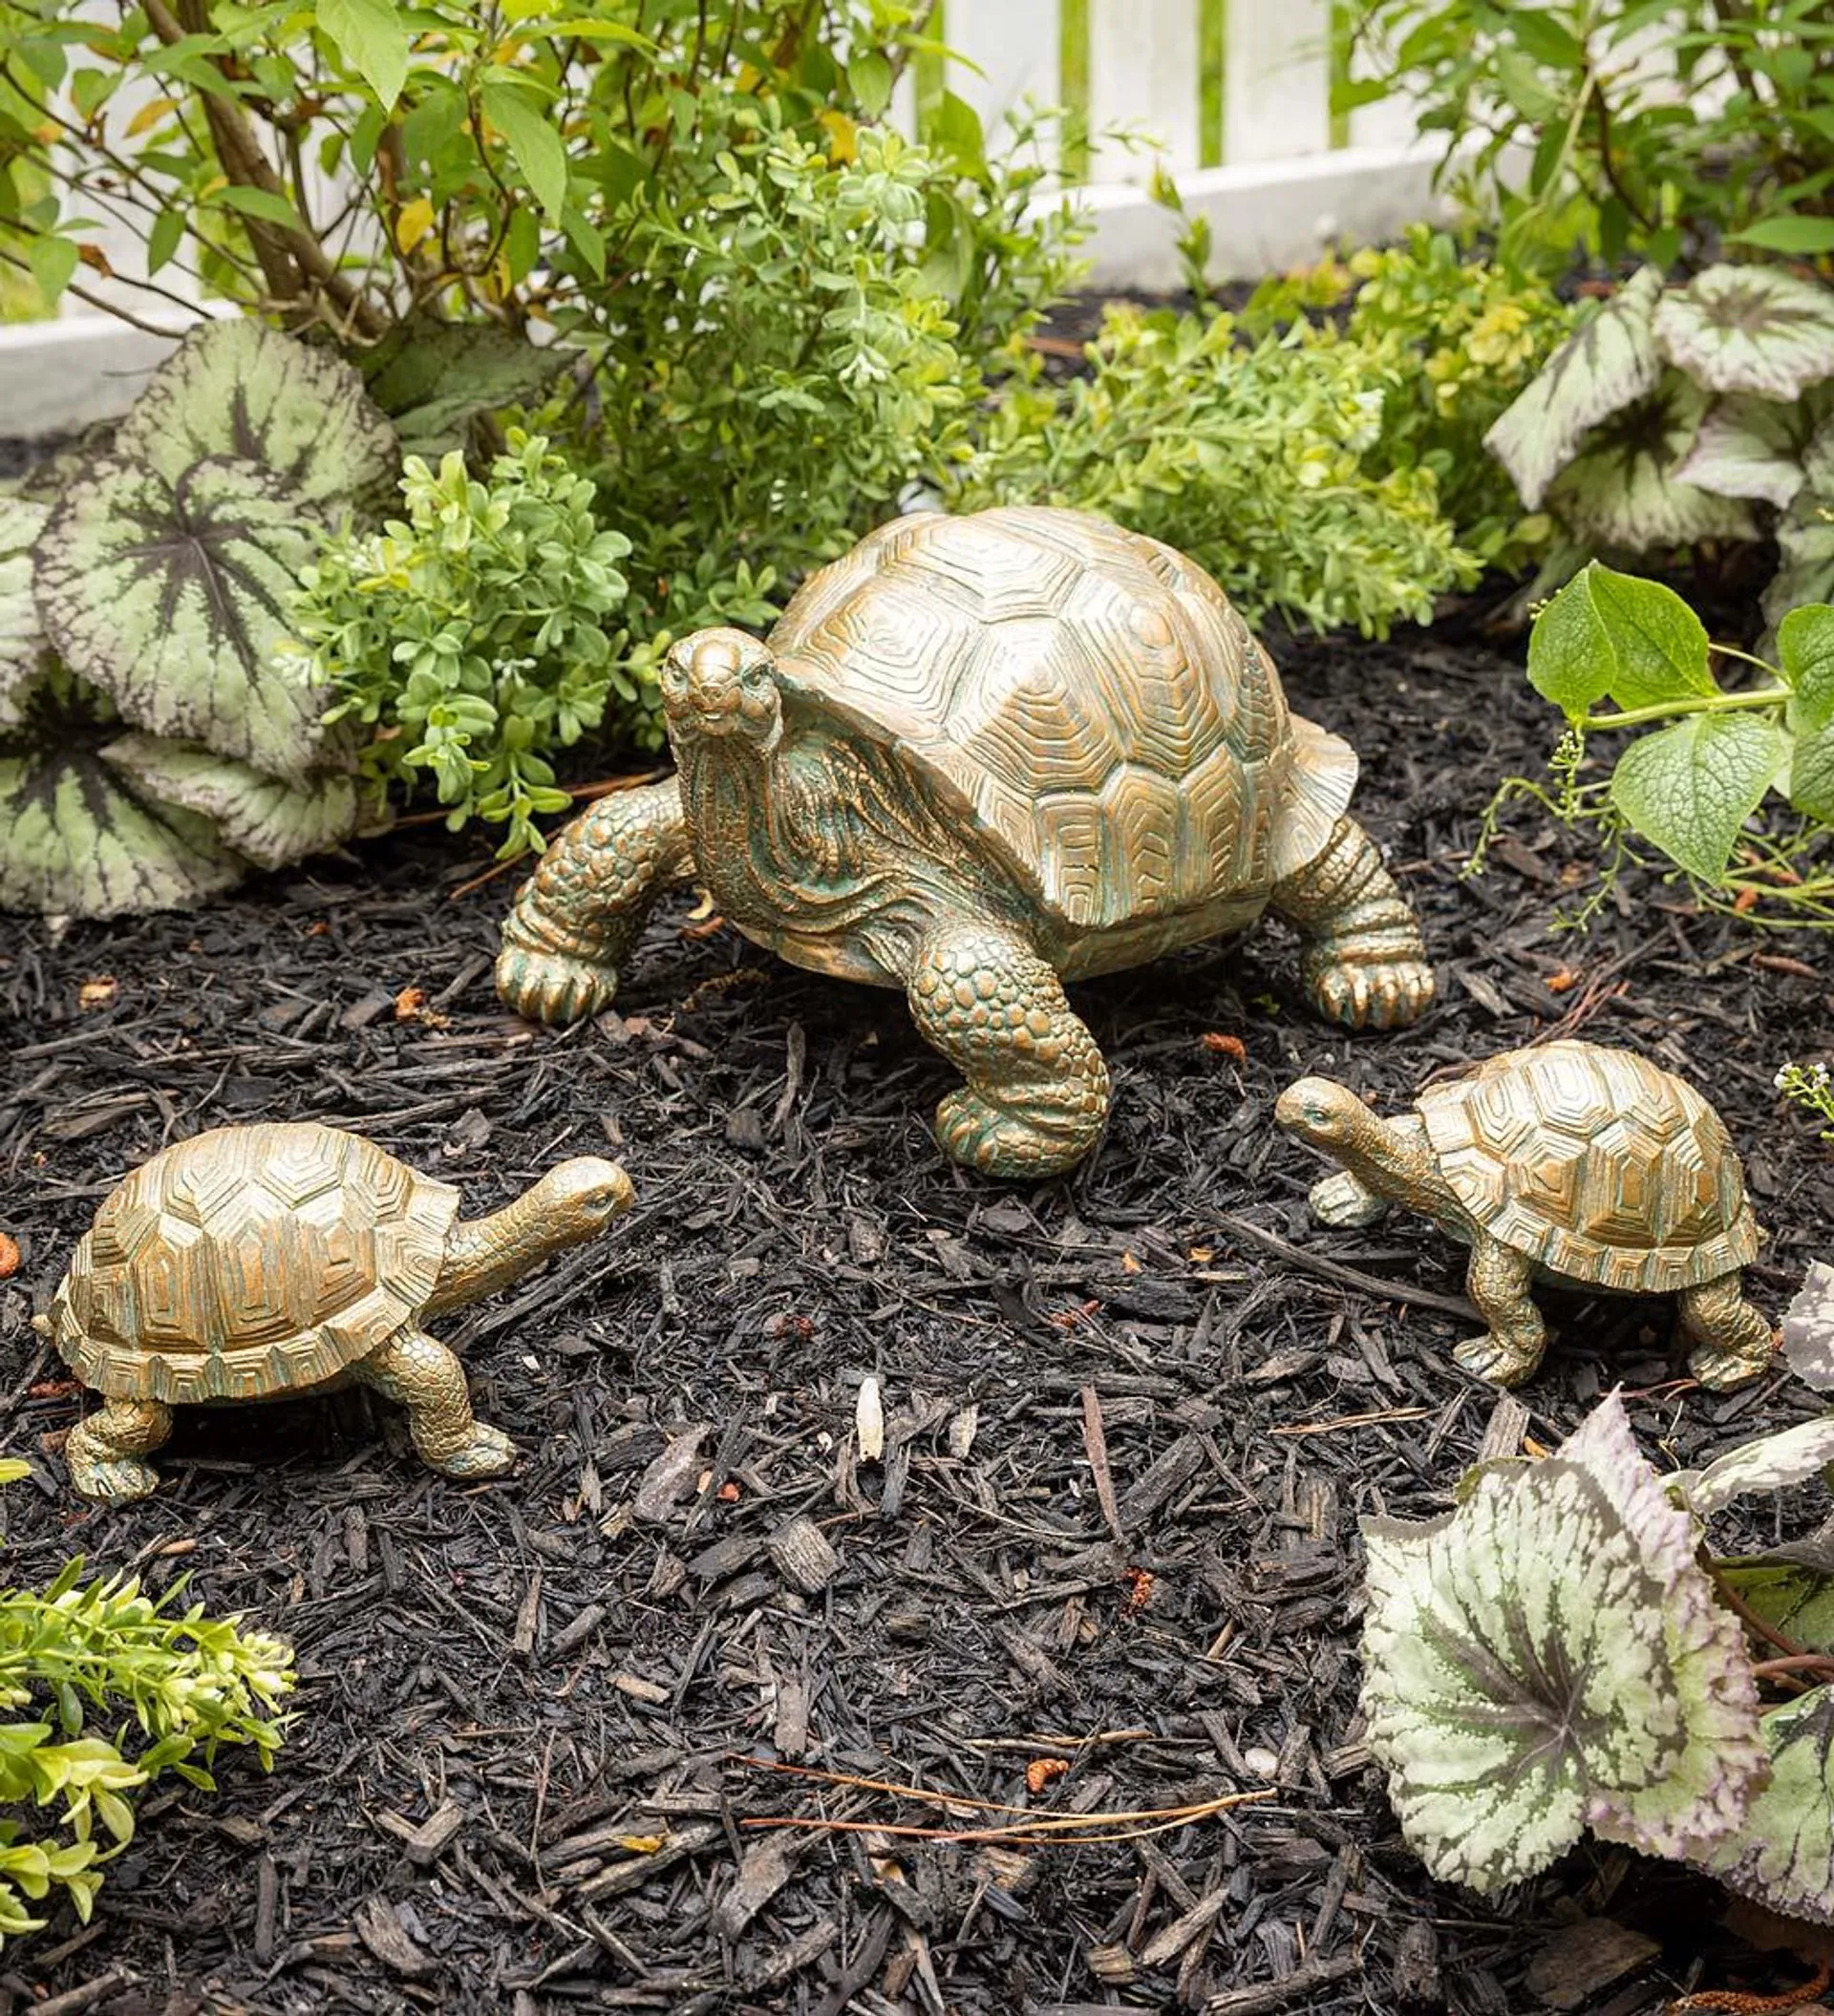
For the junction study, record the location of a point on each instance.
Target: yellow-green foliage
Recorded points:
(108, 1689)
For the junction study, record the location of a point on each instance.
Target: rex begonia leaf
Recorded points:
(1749, 329)
(1692, 787)
(1808, 1329)
(172, 598)
(1549, 1657)
(77, 838)
(432, 378)
(1621, 489)
(238, 388)
(274, 823)
(23, 644)
(1609, 362)
(1767, 1463)
(1782, 1854)
(1749, 447)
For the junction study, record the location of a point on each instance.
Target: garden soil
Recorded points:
(597, 1736)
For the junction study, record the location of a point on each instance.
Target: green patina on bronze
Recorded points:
(252, 1262)
(1565, 1160)
(977, 756)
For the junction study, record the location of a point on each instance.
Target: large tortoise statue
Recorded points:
(977, 756)
(251, 1261)
(1567, 1160)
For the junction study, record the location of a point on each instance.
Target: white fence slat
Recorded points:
(1277, 80)
(1144, 61)
(1014, 51)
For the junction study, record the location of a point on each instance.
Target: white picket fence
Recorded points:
(1232, 97)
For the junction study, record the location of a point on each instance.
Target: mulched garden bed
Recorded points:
(1127, 1445)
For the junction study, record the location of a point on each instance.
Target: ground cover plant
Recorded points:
(518, 1704)
(1705, 757)
(1620, 126)
(108, 1690)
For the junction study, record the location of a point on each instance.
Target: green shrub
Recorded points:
(110, 1691)
(1259, 460)
(1664, 127)
(468, 638)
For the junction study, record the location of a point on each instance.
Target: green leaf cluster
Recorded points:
(150, 752)
(469, 638)
(1662, 127)
(1705, 758)
(1264, 461)
(105, 1690)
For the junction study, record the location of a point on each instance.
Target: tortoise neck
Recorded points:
(1394, 1162)
(485, 1254)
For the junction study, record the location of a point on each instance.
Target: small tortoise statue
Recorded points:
(977, 756)
(1568, 1160)
(253, 1262)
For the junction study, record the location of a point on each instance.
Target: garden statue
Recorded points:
(254, 1262)
(1566, 1161)
(977, 756)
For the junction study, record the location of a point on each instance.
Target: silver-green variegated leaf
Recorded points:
(238, 388)
(1749, 329)
(80, 840)
(1808, 1329)
(1782, 1854)
(1751, 448)
(1606, 364)
(1769, 1463)
(1549, 1657)
(272, 823)
(1622, 488)
(23, 644)
(172, 598)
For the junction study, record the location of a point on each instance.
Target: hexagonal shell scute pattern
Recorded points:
(1088, 696)
(1598, 1163)
(250, 1261)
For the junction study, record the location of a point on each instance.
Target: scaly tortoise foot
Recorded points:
(489, 1453)
(1493, 1358)
(1369, 994)
(972, 1131)
(554, 986)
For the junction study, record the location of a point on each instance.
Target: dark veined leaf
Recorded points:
(431, 377)
(534, 144)
(1791, 1597)
(1616, 636)
(1782, 1854)
(77, 838)
(1692, 787)
(271, 823)
(237, 389)
(371, 40)
(1551, 1657)
(1808, 1330)
(1622, 488)
(23, 644)
(172, 598)
(1600, 368)
(1749, 329)
(1749, 447)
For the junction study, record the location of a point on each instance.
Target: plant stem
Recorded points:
(1820, 1664)
(1667, 709)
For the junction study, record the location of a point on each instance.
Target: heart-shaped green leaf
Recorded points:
(1617, 636)
(1692, 787)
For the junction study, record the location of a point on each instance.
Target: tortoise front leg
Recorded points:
(419, 1373)
(1365, 964)
(1037, 1090)
(1511, 1348)
(1732, 1336)
(102, 1453)
(576, 916)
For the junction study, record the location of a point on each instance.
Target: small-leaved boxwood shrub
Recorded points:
(1558, 1655)
(105, 1690)
(1704, 757)
(151, 751)
(470, 638)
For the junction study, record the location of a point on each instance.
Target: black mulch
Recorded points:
(511, 1784)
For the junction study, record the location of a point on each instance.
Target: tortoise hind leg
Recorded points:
(103, 1451)
(1731, 1335)
(1498, 1282)
(419, 1373)
(1364, 963)
(1037, 1091)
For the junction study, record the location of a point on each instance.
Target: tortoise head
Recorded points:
(1322, 1112)
(576, 1200)
(720, 685)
